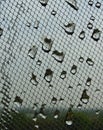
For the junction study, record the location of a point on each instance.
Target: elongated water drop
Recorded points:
(88, 82)
(58, 56)
(1, 31)
(84, 98)
(33, 80)
(32, 52)
(82, 35)
(73, 69)
(96, 34)
(48, 75)
(56, 114)
(73, 4)
(63, 75)
(90, 62)
(69, 28)
(43, 2)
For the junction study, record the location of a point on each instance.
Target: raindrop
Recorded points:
(63, 75)
(56, 114)
(90, 25)
(82, 35)
(97, 112)
(58, 56)
(36, 24)
(47, 44)
(69, 28)
(43, 2)
(33, 80)
(96, 34)
(73, 69)
(73, 4)
(98, 4)
(92, 18)
(53, 12)
(32, 52)
(79, 106)
(88, 82)
(18, 101)
(90, 2)
(81, 59)
(89, 62)
(39, 62)
(48, 75)
(54, 100)
(1, 32)
(84, 98)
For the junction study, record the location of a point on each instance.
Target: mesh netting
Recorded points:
(51, 65)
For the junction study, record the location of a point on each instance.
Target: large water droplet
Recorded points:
(1, 32)
(36, 24)
(54, 100)
(90, 62)
(47, 44)
(73, 69)
(96, 34)
(56, 114)
(32, 52)
(43, 2)
(98, 4)
(82, 35)
(48, 75)
(33, 80)
(63, 75)
(90, 2)
(84, 98)
(73, 4)
(90, 25)
(88, 82)
(58, 56)
(69, 28)
(53, 12)
(81, 59)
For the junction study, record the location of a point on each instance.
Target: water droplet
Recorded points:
(47, 44)
(42, 113)
(63, 75)
(54, 100)
(70, 87)
(32, 52)
(82, 35)
(56, 114)
(73, 69)
(58, 56)
(36, 24)
(81, 59)
(48, 75)
(88, 82)
(90, 25)
(90, 2)
(33, 80)
(73, 4)
(79, 106)
(37, 126)
(84, 98)
(50, 86)
(1, 32)
(97, 112)
(69, 28)
(97, 90)
(18, 101)
(28, 24)
(53, 12)
(61, 99)
(43, 2)
(98, 4)
(96, 34)
(89, 62)
(39, 62)
(34, 119)
(92, 18)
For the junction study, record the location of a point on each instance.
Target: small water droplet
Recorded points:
(84, 98)
(90, 25)
(36, 24)
(34, 119)
(69, 28)
(33, 80)
(96, 34)
(42, 113)
(1, 32)
(54, 100)
(48, 75)
(37, 126)
(88, 82)
(18, 101)
(70, 87)
(98, 4)
(50, 86)
(47, 44)
(92, 18)
(63, 75)
(97, 90)
(81, 59)
(39, 62)
(73, 4)
(79, 106)
(82, 35)
(61, 99)
(56, 114)
(43, 2)
(28, 24)
(58, 56)
(97, 112)
(73, 69)
(32, 52)
(90, 2)
(89, 62)
(53, 12)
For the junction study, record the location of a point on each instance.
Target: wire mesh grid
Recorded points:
(51, 64)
